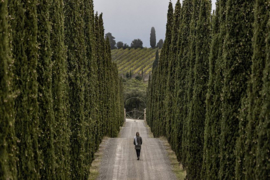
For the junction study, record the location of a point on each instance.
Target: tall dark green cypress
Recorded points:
(90, 83)
(164, 63)
(255, 96)
(237, 61)
(107, 83)
(198, 108)
(32, 121)
(8, 168)
(214, 106)
(122, 106)
(170, 83)
(195, 8)
(59, 91)
(25, 53)
(110, 93)
(93, 80)
(101, 71)
(240, 169)
(154, 116)
(245, 148)
(155, 64)
(97, 57)
(181, 84)
(116, 126)
(149, 105)
(110, 98)
(211, 162)
(153, 37)
(74, 25)
(263, 128)
(46, 114)
(189, 63)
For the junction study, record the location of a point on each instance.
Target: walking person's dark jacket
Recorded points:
(139, 141)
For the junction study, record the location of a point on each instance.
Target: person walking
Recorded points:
(138, 143)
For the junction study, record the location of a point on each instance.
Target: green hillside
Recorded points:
(134, 60)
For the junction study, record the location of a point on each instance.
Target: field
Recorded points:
(134, 60)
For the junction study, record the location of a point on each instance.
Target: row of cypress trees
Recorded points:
(60, 92)
(209, 94)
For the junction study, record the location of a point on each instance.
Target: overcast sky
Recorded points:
(132, 19)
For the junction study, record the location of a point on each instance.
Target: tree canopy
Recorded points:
(111, 39)
(120, 44)
(136, 43)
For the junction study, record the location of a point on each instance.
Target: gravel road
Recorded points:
(120, 162)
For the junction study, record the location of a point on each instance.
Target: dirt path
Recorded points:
(119, 160)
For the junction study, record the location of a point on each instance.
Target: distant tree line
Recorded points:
(136, 43)
(60, 92)
(209, 92)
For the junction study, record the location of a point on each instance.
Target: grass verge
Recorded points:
(177, 167)
(150, 134)
(94, 169)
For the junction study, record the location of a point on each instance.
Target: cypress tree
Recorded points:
(59, 91)
(93, 81)
(255, 97)
(91, 75)
(122, 106)
(237, 60)
(240, 168)
(153, 38)
(107, 79)
(152, 101)
(155, 116)
(97, 57)
(172, 58)
(112, 85)
(74, 25)
(109, 93)
(177, 131)
(263, 146)
(25, 52)
(211, 162)
(190, 81)
(101, 71)
(181, 83)
(7, 129)
(116, 100)
(214, 106)
(164, 63)
(149, 106)
(156, 104)
(46, 114)
(155, 63)
(31, 50)
(197, 110)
